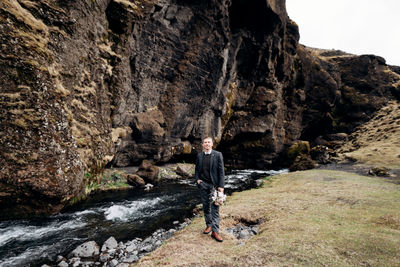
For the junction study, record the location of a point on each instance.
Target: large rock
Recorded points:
(86, 250)
(296, 149)
(135, 180)
(185, 170)
(148, 172)
(303, 162)
(110, 243)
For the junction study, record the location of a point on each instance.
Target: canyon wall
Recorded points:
(90, 83)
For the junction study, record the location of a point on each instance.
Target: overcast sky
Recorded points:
(354, 26)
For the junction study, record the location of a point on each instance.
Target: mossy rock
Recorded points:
(303, 162)
(296, 149)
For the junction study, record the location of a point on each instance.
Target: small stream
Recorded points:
(124, 215)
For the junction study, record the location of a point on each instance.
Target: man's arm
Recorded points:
(221, 173)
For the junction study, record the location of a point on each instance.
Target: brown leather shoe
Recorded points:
(207, 230)
(216, 236)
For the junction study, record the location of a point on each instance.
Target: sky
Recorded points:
(353, 26)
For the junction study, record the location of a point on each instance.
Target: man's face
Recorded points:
(207, 144)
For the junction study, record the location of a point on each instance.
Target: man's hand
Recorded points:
(199, 181)
(220, 189)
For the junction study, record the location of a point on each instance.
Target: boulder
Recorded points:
(86, 250)
(109, 244)
(296, 149)
(148, 172)
(135, 180)
(303, 162)
(185, 170)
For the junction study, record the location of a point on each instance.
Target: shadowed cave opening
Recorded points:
(254, 16)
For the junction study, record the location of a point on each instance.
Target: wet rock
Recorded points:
(135, 180)
(86, 250)
(110, 243)
(62, 264)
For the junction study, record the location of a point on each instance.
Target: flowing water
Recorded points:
(124, 215)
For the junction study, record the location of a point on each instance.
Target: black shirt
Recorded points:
(205, 172)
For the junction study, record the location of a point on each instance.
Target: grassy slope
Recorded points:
(377, 142)
(312, 218)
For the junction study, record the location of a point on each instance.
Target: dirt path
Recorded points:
(311, 218)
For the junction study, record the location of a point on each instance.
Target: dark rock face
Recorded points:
(201, 68)
(342, 90)
(89, 83)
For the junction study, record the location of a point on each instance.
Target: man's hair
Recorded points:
(208, 137)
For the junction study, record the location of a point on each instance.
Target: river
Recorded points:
(123, 214)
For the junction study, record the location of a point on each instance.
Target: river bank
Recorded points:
(308, 218)
(124, 215)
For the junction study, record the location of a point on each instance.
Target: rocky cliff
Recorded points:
(95, 82)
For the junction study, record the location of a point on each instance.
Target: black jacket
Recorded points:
(217, 172)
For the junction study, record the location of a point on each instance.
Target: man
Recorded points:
(209, 175)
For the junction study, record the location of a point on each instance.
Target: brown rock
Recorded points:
(135, 180)
(148, 172)
(303, 162)
(185, 170)
(298, 148)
